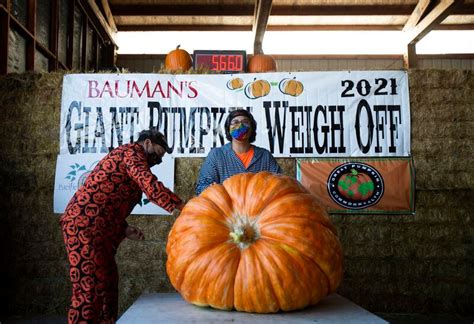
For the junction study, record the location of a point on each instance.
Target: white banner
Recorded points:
(301, 114)
(72, 170)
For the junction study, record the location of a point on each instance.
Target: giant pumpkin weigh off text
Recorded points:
(257, 243)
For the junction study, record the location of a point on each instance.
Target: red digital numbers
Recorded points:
(226, 63)
(220, 61)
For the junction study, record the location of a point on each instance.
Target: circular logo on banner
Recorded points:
(355, 185)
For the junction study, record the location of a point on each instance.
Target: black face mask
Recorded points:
(153, 159)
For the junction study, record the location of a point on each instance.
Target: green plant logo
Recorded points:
(355, 185)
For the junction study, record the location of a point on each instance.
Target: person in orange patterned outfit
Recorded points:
(94, 223)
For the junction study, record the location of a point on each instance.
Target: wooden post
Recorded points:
(418, 28)
(410, 60)
(96, 51)
(85, 22)
(109, 56)
(30, 45)
(262, 12)
(54, 35)
(70, 34)
(4, 28)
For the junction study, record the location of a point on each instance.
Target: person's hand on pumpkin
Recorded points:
(180, 206)
(134, 233)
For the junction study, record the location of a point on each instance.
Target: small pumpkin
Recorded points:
(257, 243)
(178, 60)
(261, 63)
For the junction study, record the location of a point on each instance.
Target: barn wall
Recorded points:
(405, 263)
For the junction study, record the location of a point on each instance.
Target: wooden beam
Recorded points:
(109, 57)
(277, 10)
(6, 4)
(96, 52)
(346, 10)
(182, 10)
(22, 30)
(98, 19)
(464, 9)
(70, 34)
(4, 28)
(446, 56)
(326, 56)
(45, 51)
(83, 61)
(410, 60)
(260, 20)
(248, 10)
(54, 35)
(109, 16)
(416, 15)
(280, 27)
(332, 27)
(455, 27)
(62, 66)
(432, 19)
(337, 57)
(184, 27)
(30, 43)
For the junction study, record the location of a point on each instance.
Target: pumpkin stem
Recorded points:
(244, 235)
(177, 47)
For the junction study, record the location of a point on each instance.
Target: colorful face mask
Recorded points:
(240, 132)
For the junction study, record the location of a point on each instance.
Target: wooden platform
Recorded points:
(171, 308)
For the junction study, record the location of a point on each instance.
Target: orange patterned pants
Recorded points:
(93, 274)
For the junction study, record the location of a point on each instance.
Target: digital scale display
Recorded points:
(220, 61)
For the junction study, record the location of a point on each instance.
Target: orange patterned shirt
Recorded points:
(112, 190)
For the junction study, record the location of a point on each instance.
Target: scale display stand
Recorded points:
(172, 308)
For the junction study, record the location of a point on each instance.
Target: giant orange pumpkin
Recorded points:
(261, 63)
(178, 60)
(257, 243)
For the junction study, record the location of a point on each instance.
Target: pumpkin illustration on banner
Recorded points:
(257, 89)
(178, 60)
(291, 87)
(261, 63)
(235, 83)
(355, 186)
(257, 243)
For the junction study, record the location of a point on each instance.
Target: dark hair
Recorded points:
(155, 137)
(240, 112)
